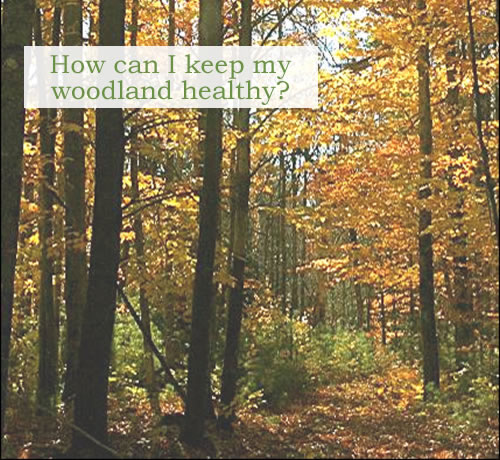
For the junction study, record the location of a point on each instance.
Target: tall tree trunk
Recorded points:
(199, 350)
(149, 369)
(171, 22)
(16, 33)
(369, 314)
(383, 324)
(321, 299)
(48, 325)
(357, 287)
(99, 314)
(304, 251)
(412, 306)
(294, 298)
(428, 320)
(411, 300)
(282, 233)
(74, 171)
(461, 293)
(266, 227)
(148, 362)
(479, 117)
(273, 254)
(241, 191)
(171, 346)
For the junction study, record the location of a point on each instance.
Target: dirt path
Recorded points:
(377, 417)
(366, 419)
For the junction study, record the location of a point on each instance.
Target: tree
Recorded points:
(485, 157)
(48, 325)
(75, 225)
(282, 230)
(357, 287)
(99, 314)
(17, 22)
(429, 334)
(241, 190)
(199, 350)
(461, 295)
(149, 367)
(170, 342)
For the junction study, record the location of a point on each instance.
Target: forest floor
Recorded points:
(375, 417)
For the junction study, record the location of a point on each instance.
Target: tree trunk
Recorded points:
(411, 300)
(479, 117)
(273, 278)
(48, 324)
(171, 344)
(304, 252)
(294, 298)
(241, 191)
(321, 300)
(149, 369)
(199, 350)
(412, 306)
(266, 227)
(74, 171)
(148, 362)
(17, 24)
(282, 234)
(357, 287)
(428, 320)
(99, 314)
(383, 320)
(369, 314)
(461, 293)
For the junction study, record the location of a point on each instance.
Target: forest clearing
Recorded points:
(255, 283)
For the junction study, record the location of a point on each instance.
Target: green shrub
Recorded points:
(284, 359)
(271, 365)
(466, 401)
(341, 357)
(284, 381)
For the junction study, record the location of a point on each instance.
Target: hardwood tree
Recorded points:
(478, 118)
(149, 367)
(199, 350)
(241, 191)
(75, 225)
(17, 23)
(426, 266)
(48, 324)
(99, 315)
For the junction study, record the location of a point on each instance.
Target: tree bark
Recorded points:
(426, 284)
(149, 369)
(199, 350)
(282, 234)
(241, 191)
(16, 33)
(48, 324)
(99, 314)
(357, 287)
(75, 226)
(383, 319)
(485, 157)
(148, 362)
(304, 251)
(461, 292)
(294, 297)
(171, 345)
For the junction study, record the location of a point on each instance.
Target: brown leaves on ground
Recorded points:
(378, 417)
(375, 418)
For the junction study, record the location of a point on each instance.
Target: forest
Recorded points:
(256, 283)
